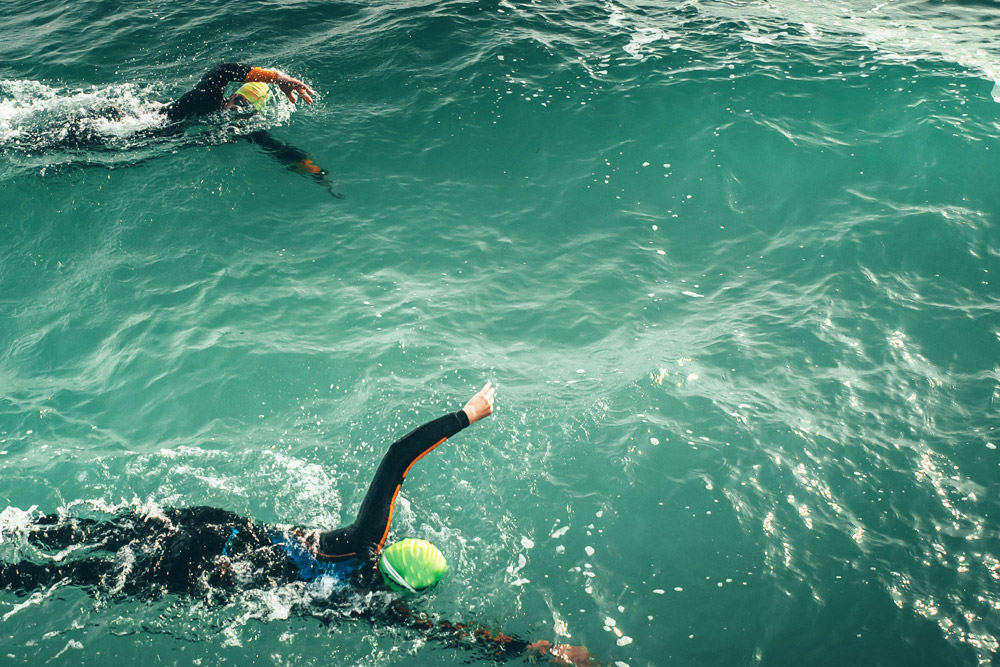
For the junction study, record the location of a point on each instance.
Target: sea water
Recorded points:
(732, 266)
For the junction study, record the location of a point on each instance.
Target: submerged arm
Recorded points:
(496, 643)
(499, 645)
(294, 158)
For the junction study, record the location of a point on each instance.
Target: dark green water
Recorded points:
(731, 265)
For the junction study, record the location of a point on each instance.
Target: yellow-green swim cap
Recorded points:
(412, 565)
(256, 93)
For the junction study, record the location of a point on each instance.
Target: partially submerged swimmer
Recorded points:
(208, 96)
(200, 550)
(83, 128)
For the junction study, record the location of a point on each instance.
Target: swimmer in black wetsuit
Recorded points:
(205, 551)
(207, 97)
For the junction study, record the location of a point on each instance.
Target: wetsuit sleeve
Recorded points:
(295, 158)
(278, 149)
(366, 536)
(206, 96)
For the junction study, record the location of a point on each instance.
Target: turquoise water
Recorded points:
(731, 265)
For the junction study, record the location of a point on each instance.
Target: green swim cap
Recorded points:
(256, 93)
(412, 565)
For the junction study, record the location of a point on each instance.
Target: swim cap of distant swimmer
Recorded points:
(412, 565)
(255, 93)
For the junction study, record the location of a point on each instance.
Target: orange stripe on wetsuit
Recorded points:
(259, 74)
(367, 535)
(392, 504)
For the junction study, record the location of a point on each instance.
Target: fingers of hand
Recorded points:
(488, 391)
(565, 653)
(292, 86)
(542, 646)
(303, 89)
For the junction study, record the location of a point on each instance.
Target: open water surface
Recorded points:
(732, 265)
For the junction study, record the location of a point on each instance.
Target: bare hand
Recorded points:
(564, 654)
(289, 86)
(332, 189)
(480, 405)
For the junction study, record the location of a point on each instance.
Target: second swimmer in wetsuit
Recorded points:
(193, 550)
(203, 550)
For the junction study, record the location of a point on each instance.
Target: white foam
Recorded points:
(14, 520)
(37, 118)
(35, 598)
(32, 113)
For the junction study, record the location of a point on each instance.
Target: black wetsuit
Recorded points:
(203, 549)
(208, 95)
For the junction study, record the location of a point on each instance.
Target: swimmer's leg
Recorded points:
(55, 532)
(25, 577)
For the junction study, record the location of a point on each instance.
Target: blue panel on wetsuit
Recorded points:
(311, 568)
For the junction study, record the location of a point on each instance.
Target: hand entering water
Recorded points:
(480, 405)
(564, 654)
(291, 86)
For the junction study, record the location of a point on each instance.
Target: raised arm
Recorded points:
(290, 86)
(216, 79)
(206, 96)
(366, 536)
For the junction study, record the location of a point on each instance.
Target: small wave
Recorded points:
(15, 521)
(897, 34)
